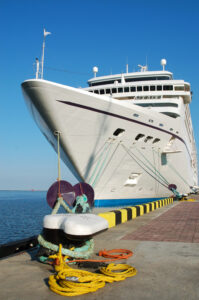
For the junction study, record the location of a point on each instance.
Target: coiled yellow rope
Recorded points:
(73, 282)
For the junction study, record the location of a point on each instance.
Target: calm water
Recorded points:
(21, 214)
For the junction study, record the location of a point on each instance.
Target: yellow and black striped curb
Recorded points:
(115, 217)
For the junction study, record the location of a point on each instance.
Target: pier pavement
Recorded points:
(165, 244)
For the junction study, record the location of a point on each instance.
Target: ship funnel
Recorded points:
(163, 63)
(95, 70)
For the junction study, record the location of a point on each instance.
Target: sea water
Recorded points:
(21, 214)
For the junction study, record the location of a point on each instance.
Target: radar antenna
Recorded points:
(163, 63)
(95, 70)
(143, 68)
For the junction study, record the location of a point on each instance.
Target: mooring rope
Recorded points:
(161, 176)
(133, 156)
(73, 282)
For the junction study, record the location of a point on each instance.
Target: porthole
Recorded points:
(148, 138)
(139, 136)
(156, 140)
(135, 115)
(161, 125)
(118, 131)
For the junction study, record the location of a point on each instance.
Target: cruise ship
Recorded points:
(128, 135)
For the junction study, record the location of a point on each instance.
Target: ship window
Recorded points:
(146, 88)
(118, 131)
(101, 92)
(126, 89)
(159, 88)
(133, 89)
(147, 78)
(170, 114)
(163, 159)
(135, 115)
(179, 88)
(148, 138)
(152, 88)
(103, 82)
(156, 140)
(120, 90)
(96, 92)
(139, 89)
(187, 88)
(114, 90)
(139, 136)
(157, 104)
(167, 87)
(108, 91)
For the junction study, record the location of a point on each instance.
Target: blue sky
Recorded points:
(85, 33)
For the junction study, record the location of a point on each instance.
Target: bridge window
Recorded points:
(126, 89)
(114, 90)
(139, 89)
(159, 88)
(146, 88)
(187, 88)
(133, 89)
(167, 87)
(108, 91)
(101, 92)
(179, 88)
(96, 92)
(120, 90)
(152, 88)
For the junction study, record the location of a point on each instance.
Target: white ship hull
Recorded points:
(122, 170)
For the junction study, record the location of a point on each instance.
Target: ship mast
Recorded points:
(43, 47)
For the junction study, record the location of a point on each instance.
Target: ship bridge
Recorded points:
(155, 90)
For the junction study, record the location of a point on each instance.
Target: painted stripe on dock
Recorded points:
(116, 217)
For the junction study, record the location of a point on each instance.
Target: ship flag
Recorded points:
(46, 32)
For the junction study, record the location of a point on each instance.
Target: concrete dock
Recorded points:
(165, 243)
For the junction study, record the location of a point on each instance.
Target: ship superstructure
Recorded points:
(129, 135)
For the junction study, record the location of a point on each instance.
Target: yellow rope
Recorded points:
(73, 282)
